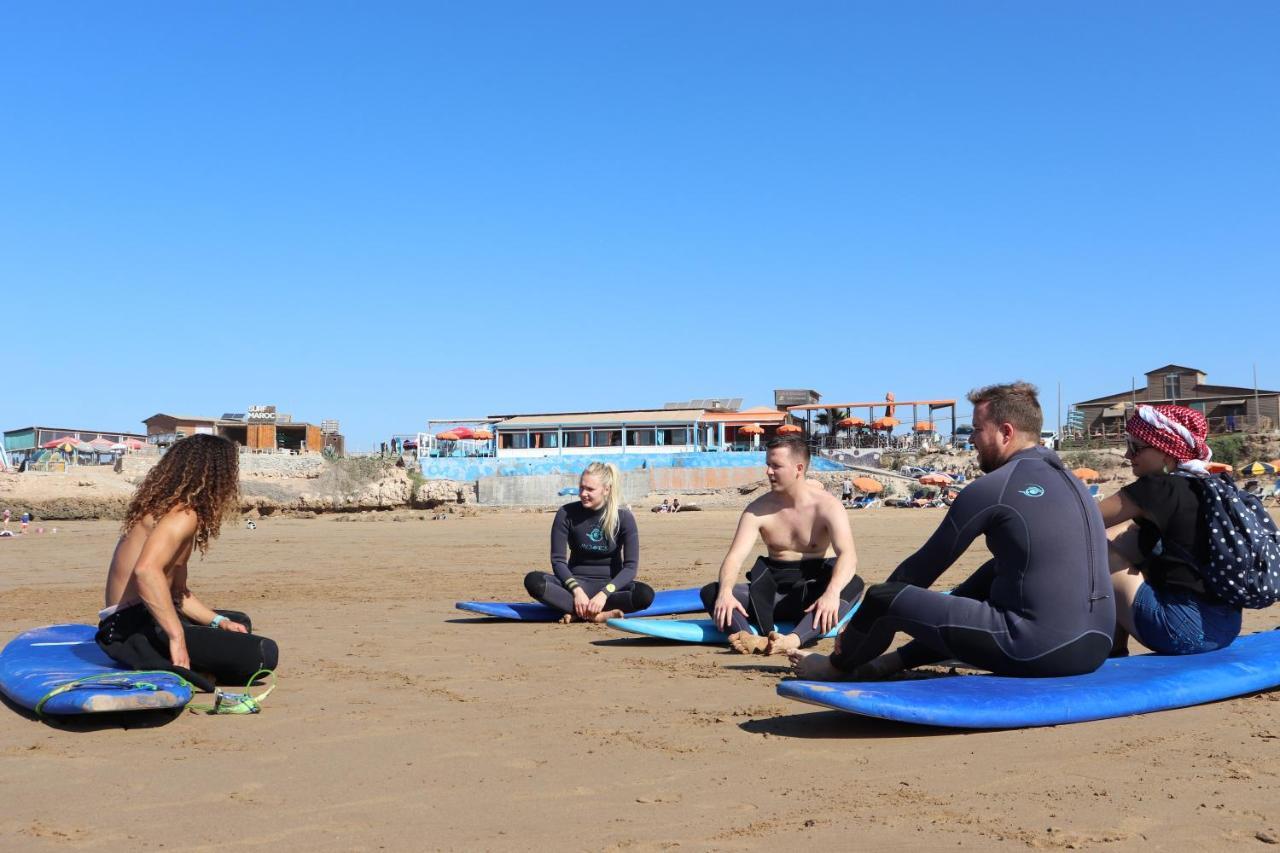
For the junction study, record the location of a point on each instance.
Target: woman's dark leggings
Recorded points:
(548, 589)
(132, 637)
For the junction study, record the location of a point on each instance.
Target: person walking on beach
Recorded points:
(595, 554)
(1041, 607)
(798, 521)
(152, 620)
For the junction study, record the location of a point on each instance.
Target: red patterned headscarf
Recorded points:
(1175, 430)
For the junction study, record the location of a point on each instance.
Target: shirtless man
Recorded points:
(798, 524)
(151, 619)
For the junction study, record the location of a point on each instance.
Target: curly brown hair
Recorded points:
(201, 472)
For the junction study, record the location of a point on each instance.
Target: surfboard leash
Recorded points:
(238, 703)
(121, 680)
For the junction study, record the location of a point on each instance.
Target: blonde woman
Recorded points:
(595, 551)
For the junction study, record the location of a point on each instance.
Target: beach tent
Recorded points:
(868, 485)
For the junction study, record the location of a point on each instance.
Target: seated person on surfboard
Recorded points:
(1159, 548)
(151, 619)
(595, 552)
(1041, 607)
(798, 522)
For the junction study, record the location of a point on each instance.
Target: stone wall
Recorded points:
(544, 489)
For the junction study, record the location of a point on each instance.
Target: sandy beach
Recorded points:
(401, 723)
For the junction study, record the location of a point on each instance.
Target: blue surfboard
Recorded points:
(698, 630)
(1119, 688)
(59, 669)
(668, 603)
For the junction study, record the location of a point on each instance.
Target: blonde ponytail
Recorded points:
(610, 477)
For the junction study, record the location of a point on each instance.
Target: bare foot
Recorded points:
(746, 643)
(605, 615)
(780, 644)
(814, 666)
(567, 618)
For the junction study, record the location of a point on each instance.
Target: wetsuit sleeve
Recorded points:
(629, 545)
(560, 546)
(957, 531)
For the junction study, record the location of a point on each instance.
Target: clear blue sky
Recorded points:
(384, 212)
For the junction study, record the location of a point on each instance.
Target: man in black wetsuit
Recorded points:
(1041, 607)
(798, 522)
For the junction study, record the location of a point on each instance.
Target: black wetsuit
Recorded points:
(582, 556)
(1041, 607)
(131, 636)
(781, 590)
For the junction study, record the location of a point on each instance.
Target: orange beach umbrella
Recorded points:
(850, 423)
(935, 479)
(885, 423)
(789, 429)
(868, 485)
(447, 435)
(482, 435)
(1218, 468)
(751, 429)
(923, 426)
(1085, 474)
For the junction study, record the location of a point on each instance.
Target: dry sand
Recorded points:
(401, 723)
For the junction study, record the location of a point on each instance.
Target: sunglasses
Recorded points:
(1135, 447)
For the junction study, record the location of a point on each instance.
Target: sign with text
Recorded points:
(794, 397)
(262, 414)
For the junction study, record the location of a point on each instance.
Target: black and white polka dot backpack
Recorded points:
(1244, 545)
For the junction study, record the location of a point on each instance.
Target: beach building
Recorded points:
(27, 442)
(260, 429)
(690, 427)
(1228, 408)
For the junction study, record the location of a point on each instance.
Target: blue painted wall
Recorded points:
(477, 467)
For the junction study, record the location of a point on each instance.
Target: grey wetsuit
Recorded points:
(1041, 607)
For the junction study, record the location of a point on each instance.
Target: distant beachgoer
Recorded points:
(846, 490)
(152, 620)
(666, 506)
(1158, 542)
(595, 554)
(675, 504)
(798, 520)
(1041, 607)
(23, 521)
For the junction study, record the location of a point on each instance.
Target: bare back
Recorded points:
(122, 588)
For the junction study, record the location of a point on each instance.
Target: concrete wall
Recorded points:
(544, 489)
(475, 468)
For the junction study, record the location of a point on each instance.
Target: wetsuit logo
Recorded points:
(596, 535)
(1033, 491)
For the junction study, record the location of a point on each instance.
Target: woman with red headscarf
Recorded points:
(1159, 541)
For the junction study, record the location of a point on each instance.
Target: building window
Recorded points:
(1171, 386)
(545, 438)
(577, 438)
(644, 437)
(511, 440)
(608, 438)
(674, 437)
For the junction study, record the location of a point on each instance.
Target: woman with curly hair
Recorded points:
(151, 619)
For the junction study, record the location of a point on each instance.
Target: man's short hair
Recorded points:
(798, 446)
(1012, 403)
